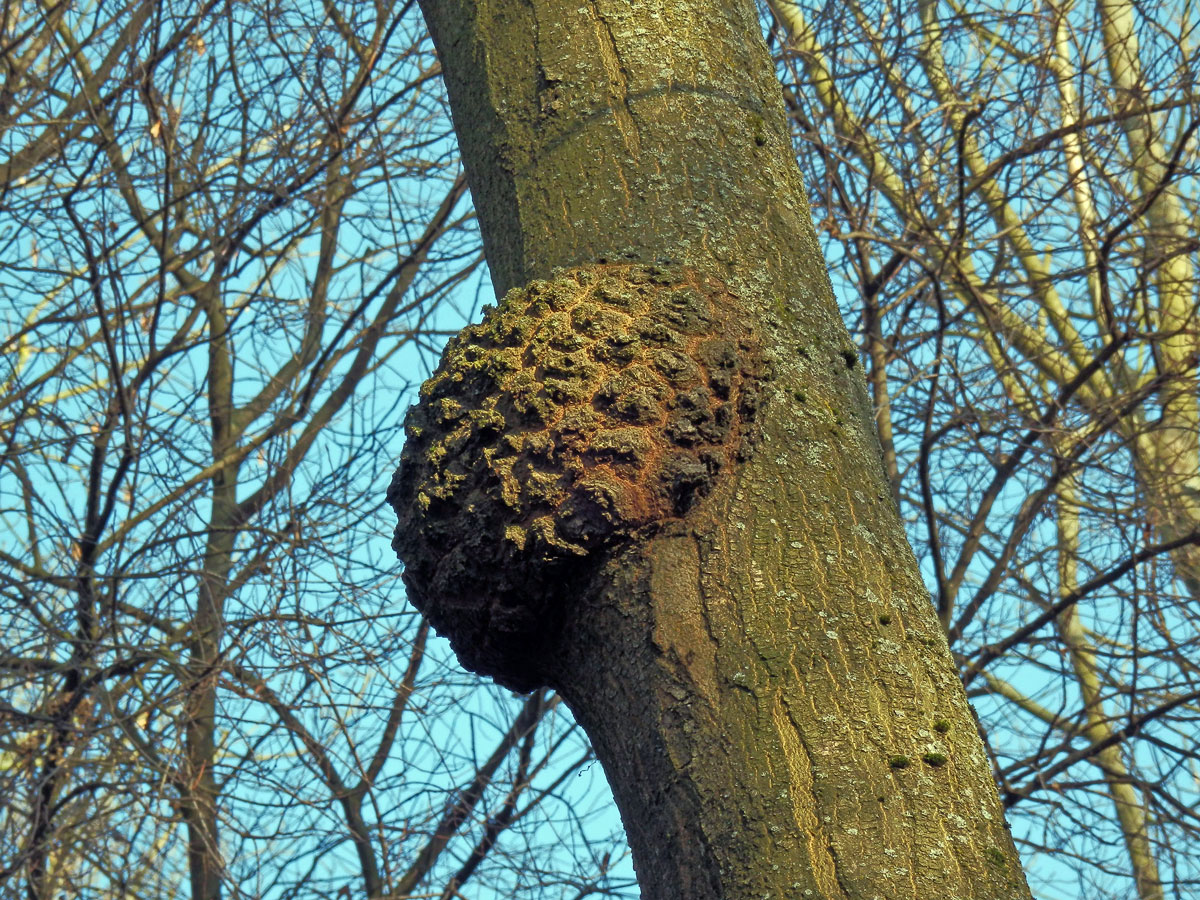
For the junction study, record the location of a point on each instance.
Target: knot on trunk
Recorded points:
(583, 410)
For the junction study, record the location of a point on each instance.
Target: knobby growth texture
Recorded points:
(582, 411)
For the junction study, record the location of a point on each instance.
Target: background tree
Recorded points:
(229, 234)
(1011, 205)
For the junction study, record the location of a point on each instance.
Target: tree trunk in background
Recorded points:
(650, 478)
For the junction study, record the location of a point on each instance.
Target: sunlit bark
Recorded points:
(755, 658)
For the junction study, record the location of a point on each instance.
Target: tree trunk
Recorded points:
(650, 478)
(199, 787)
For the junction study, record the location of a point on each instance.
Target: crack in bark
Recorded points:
(618, 82)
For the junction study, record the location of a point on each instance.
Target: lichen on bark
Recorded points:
(583, 411)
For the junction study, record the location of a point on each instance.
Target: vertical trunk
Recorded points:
(1168, 457)
(652, 481)
(1129, 807)
(198, 803)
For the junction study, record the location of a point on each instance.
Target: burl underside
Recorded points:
(583, 412)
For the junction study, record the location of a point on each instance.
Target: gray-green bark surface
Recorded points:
(754, 656)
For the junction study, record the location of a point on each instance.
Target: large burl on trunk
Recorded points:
(650, 480)
(584, 413)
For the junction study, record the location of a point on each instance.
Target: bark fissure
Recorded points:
(802, 782)
(618, 79)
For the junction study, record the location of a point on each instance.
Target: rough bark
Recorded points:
(650, 478)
